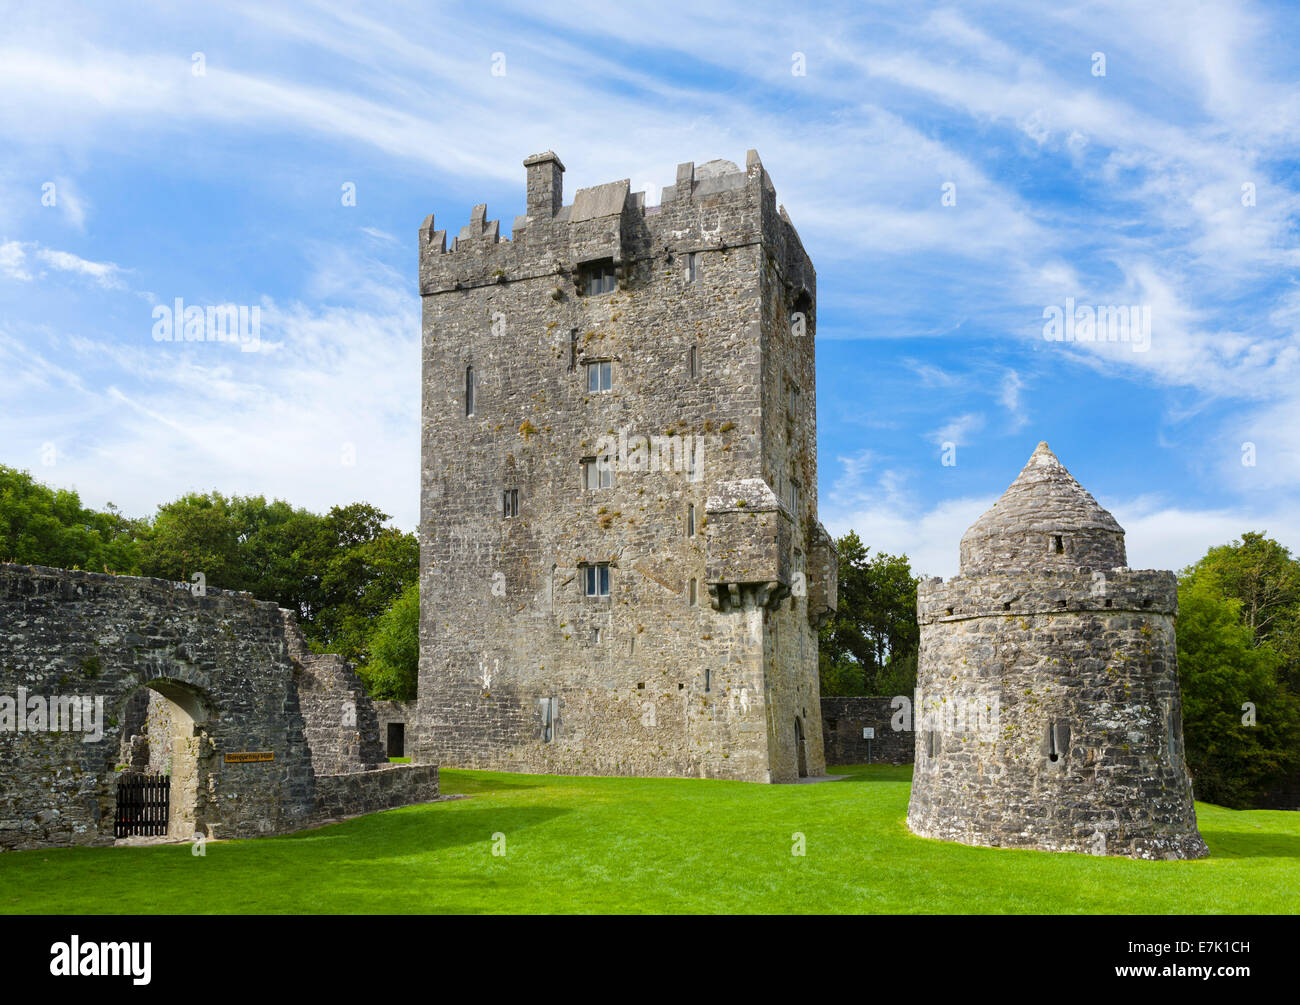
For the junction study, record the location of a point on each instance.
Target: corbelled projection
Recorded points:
(1049, 714)
(622, 570)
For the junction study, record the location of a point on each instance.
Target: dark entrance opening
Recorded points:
(163, 761)
(143, 805)
(397, 739)
(800, 752)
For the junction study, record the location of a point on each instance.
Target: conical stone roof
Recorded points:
(1044, 520)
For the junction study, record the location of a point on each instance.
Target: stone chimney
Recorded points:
(545, 184)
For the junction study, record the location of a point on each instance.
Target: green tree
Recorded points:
(1220, 670)
(1262, 574)
(366, 566)
(44, 526)
(338, 572)
(392, 669)
(868, 646)
(196, 534)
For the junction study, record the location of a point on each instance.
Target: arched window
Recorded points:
(469, 390)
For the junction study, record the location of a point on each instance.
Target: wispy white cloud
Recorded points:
(959, 430)
(1009, 398)
(106, 274)
(67, 198)
(320, 416)
(1125, 189)
(13, 261)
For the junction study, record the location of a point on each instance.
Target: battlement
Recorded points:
(1011, 595)
(712, 207)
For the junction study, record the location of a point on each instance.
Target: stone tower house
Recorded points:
(1048, 713)
(622, 571)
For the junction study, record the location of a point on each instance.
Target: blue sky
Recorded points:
(1122, 189)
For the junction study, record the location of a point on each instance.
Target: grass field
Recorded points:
(656, 845)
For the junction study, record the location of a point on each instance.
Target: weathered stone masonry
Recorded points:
(226, 665)
(702, 658)
(1050, 714)
(843, 719)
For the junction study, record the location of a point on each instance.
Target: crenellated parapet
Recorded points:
(715, 207)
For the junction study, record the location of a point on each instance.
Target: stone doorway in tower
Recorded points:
(800, 749)
(164, 733)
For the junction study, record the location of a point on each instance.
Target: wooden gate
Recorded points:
(143, 802)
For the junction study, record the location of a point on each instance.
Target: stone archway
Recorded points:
(170, 738)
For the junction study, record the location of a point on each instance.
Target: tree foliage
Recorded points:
(868, 646)
(1238, 643)
(1241, 725)
(44, 526)
(338, 572)
(394, 649)
(1264, 577)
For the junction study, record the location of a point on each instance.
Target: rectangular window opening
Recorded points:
(599, 278)
(548, 719)
(595, 580)
(510, 503)
(597, 474)
(600, 377)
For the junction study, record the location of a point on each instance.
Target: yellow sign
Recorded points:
(248, 756)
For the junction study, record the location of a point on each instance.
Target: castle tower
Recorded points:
(1048, 713)
(622, 570)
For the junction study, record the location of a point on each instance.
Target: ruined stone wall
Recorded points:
(382, 788)
(342, 728)
(646, 681)
(1082, 748)
(222, 680)
(404, 712)
(843, 719)
(222, 657)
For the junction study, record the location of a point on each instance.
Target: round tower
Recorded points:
(1048, 713)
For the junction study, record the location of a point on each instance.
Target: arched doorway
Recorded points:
(163, 737)
(801, 752)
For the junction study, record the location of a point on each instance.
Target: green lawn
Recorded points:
(656, 845)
